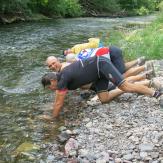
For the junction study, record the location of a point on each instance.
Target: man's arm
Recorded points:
(59, 101)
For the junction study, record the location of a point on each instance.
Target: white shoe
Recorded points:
(141, 61)
(94, 101)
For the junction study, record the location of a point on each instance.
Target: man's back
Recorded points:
(78, 73)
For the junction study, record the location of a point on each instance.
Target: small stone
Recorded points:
(118, 160)
(72, 160)
(160, 159)
(63, 137)
(62, 128)
(157, 145)
(155, 161)
(100, 161)
(72, 153)
(76, 132)
(147, 158)
(146, 147)
(83, 152)
(50, 158)
(86, 120)
(143, 155)
(154, 154)
(129, 134)
(131, 146)
(69, 132)
(128, 157)
(89, 124)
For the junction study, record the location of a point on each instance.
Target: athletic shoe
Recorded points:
(155, 84)
(141, 61)
(94, 101)
(157, 94)
(149, 74)
(149, 67)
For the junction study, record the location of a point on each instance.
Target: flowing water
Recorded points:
(23, 51)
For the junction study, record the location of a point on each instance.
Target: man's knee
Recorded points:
(127, 87)
(129, 79)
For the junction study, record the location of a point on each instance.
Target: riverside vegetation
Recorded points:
(145, 41)
(15, 10)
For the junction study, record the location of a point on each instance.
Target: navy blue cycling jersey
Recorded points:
(78, 73)
(96, 70)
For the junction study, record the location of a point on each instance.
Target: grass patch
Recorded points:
(140, 42)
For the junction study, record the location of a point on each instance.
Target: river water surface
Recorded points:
(23, 50)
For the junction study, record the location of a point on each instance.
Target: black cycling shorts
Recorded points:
(109, 71)
(117, 58)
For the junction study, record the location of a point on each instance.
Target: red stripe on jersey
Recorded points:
(102, 51)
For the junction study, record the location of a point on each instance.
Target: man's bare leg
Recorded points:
(116, 92)
(140, 61)
(106, 97)
(135, 78)
(130, 64)
(137, 88)
(134, 71)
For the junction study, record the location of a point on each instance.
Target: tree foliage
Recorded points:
(72, 8)
(13, 6)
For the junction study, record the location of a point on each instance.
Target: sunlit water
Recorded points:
(23, 50)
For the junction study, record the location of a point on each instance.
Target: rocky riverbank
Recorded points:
(128, 129)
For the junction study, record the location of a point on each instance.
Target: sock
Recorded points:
(157, 94)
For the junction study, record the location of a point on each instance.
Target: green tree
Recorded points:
(111, 6)
(13, 6)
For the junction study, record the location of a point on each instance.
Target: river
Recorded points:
(24, 48)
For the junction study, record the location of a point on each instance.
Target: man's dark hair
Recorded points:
(47, 77)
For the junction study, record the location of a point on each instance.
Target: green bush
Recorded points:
(139, 6)
(160, 6)
(69, 8)
(142, 11)
(13, 6)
